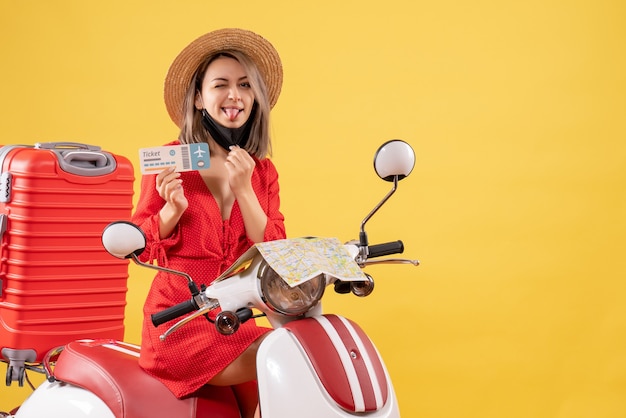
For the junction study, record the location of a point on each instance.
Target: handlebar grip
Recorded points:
(387, 248)
(173, 312)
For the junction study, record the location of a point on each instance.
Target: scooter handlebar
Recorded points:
(387, 248)
(173, 312)
(176, 311)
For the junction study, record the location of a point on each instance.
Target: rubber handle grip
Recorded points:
(173, 312)
(387, 248)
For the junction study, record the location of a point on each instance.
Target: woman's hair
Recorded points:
(193, 131)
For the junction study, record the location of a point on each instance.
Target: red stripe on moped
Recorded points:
(345, 360)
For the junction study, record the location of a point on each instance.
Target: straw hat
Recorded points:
(257, 48)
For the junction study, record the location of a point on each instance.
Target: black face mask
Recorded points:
(227, 137)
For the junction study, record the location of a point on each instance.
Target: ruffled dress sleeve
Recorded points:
(275, 228)
(146, 216)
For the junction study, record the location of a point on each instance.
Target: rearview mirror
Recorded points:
(394, 158)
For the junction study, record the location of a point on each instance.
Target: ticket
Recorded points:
(185, 157)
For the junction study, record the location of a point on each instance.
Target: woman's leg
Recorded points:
(241, 375)
(247, 396)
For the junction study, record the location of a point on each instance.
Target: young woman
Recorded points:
(220, 90)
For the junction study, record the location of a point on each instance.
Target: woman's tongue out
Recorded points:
(231, 112)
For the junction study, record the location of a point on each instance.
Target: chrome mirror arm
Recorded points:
(363, 241)
(159, 268)
(192, 285)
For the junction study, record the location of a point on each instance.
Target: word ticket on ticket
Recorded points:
(186, 157)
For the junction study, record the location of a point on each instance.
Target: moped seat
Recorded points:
(111, 371)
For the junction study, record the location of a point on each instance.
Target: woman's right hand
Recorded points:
(169, 185)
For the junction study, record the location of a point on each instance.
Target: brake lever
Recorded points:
(202, 311)
(390, 261)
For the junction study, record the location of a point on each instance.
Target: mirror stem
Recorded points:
(192, 285)
(363, 242)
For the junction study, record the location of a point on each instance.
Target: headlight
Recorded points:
(281, 297)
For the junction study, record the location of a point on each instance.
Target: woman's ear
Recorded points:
(198, 101)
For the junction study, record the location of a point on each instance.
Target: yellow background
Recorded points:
(516, 207)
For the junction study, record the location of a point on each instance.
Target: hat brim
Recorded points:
(257, 48)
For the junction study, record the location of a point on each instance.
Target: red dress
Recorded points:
(202, 245)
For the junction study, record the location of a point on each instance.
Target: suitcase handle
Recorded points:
(65, 146)
(81, 159)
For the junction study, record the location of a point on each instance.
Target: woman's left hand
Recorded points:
(239, 165)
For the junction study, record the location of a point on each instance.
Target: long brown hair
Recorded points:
(192, 130)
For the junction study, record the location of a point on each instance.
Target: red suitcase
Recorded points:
(57, 281)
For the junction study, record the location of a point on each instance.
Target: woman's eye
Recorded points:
(246, 85)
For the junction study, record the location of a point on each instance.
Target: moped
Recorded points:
(312, 364)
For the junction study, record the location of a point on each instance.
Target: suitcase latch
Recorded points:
(5, 187)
